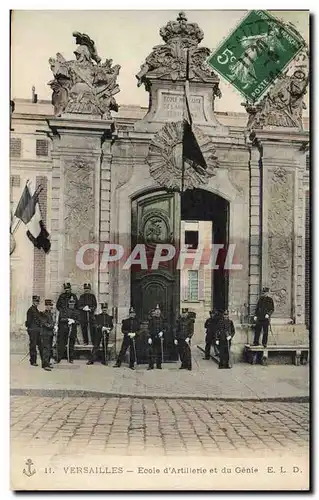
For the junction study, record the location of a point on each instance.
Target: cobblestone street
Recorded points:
(133, 426)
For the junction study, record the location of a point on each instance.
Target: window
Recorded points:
(42, 148)
(192, 285)
(15, 180)
(191, 240)
(15, 147)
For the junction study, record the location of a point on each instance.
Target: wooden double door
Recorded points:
(156, 221)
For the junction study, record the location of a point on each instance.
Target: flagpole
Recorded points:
(186, 92)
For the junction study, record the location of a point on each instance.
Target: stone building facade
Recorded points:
(111, 175)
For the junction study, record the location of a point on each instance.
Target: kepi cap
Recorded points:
(67, 286)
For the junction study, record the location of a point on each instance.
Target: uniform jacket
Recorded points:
(103, 319)
(87, 299)
(63, 301)
(130, 325)
(225, 327)
(34, 321)
(68, 313)
(184, 328)
(47, 322)
(156, 325)
(265, 305)
(211, 324)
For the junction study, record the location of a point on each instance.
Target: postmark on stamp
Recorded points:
(256, 53)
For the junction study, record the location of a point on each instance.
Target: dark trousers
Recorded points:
(97, 341)
(224, 349)
(46, 344)
(210, 340)
(155, 353)
(261, 325)
(34, 341)
(66, 337)
(184, 351)
(127, 343)
(85, 328)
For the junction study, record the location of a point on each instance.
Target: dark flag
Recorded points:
(25, 208)
(191, 151)
(28, 211)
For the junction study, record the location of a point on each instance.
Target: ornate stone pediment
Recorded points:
(165, 158)
(168, 62)
(284, 103)
(85, 85)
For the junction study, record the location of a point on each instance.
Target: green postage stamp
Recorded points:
(255, 53)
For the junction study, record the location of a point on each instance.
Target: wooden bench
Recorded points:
(300, 353)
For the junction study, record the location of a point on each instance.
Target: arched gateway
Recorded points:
(118, 179)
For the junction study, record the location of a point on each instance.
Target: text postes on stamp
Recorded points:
(255, 53)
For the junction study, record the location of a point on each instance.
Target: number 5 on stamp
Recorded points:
(255, 53)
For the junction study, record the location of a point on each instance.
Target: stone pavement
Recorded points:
(206, 381)
(64, 426)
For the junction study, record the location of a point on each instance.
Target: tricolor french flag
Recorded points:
(28, 211)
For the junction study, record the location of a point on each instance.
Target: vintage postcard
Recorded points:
(159, 250)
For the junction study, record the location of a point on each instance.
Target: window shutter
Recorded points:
(42, 147)
(15, 180)
(184, 285)
(201, 284)
(15, 147)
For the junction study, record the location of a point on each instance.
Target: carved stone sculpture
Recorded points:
(165, 158)
(85, 85)
(283, 105)
(280, 233)
(168, 62)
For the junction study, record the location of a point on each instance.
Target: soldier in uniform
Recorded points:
(33, 324)
(184, 333)
(68, 321)
(156, 329)
(103, 327)
(47, 334)
(210, 339)
(63, 300)
(87, 305)
(224, 333)
(264, 309)
(130, 328)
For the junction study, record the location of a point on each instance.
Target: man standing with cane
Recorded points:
(225, 333)
(33, 324)
(87, 306)
(130, 327)
(47, 335)
(184, 333)
(103, 327)
(264, 310)
(68, 321)
(156, 329)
